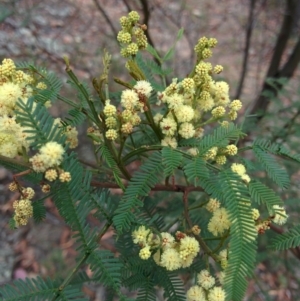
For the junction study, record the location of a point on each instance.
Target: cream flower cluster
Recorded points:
(133, 101)
(219, 155)
(189, 101)
(23, 207)
(47, 160)
(14, 85)
(167, 251)
(240, 169)
(206, 289)
(219, 222)
(132, 36)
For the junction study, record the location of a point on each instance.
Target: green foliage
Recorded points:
(195, 170)
(41, 123)
(260, 193)
(107, 269)
(290, 239)
(29, 290)
(72, 201)
(171, 160)
(219, 137)
(242, 246)
(138, 187)
(274, 170)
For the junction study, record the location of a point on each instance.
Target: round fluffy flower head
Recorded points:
(216, 294)
(45, 188)
(158, 117)
(174, 101)
(231, 150)
(240, 169)
(9, 95)
(8, 67)
(186, 130)
(202, 43)
(184, 113)
(169, 141)
(132, 49)
(212, 205)
(51, 175)
(206, 53)
(193, 151)
(206, 280)
(41, 86)
(203, 68)
(65, 176)
(23, 211)
(133, 16)
(111, 134)
(255, 214)
(218, 112)
(280, 217)
(125, 22)
(13, 186)
(143, 87)
(167, 240)
(188, 246)
(170, 259)
(219, 222)
(211, 153)
(218, 69)
(28, 193)
(109, 110)
(129, 99)
(124, 37)
(140, 235)
(195, 293)
(168, 126)
(52, 153)
(235, 105)
(188, 85)
(232, 115)
(221, 159)
(111, 122)
(145, 253)
(127, 128)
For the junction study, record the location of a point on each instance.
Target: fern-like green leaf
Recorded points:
(219, 137)
(290, 239)
(106, 155)
(242, 247)
(139, 186)
(172, 285)
(107, 268)
(195, 170)
(40, 123)
(39, 210)
(29, 290)
(171, 159)
(260, 193)
(73, 202)
(275, 171)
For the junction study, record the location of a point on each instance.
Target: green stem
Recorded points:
(84, 93)
(140, 151)
(79, 264)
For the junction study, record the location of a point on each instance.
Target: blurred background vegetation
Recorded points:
(259, 47)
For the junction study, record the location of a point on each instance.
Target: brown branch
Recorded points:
(102, 11)
(158, 187)
(295, 251)
(262, 102)
(203, 245)
(247, 48)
